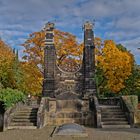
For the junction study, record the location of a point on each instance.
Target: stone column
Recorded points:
(89, 60)
(49, 61)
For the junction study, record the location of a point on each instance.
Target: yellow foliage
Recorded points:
(32, 78)
(6, 59)
(116, 65)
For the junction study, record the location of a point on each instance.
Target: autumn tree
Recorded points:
(115, 64)
(67, 47)
(32, 81)
(65, 43)
(10, 71)
(6, 61)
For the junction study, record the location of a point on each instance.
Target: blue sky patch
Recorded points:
(116, 19)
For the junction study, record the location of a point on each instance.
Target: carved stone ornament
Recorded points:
(48, 26)
(88, 25)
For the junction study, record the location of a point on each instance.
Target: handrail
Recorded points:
(8, 115)
(128, 111)
(41, 113)
(98, 112)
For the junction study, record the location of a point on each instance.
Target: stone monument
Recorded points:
(69, 93)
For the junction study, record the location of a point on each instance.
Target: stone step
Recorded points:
(24, 120)
(25, 113)
(109, 107)
(114, 122)
(22, 127)
(22, 124)
(29, 108)
(113, 119)
(112, 113)
(115, 126)
(110, 110)
(25, 117)
(65, 115)
(113, 116)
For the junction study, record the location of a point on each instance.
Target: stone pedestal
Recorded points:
(69, 111)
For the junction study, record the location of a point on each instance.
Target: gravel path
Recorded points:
(93, 134)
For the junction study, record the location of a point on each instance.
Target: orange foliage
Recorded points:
(65, 43)
(6, 61)
(32, 78)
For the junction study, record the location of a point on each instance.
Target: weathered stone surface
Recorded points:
(69, 92)
(70, 111)
(137, 118)
(71, 129)
(67, 95)
(57, 81)
(131, 101)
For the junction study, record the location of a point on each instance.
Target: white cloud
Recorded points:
(115, 19)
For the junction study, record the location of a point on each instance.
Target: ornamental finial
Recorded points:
(87, 25)
(48, 26)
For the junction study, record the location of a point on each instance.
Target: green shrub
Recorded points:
(11, 96)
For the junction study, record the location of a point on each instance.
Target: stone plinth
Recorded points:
(69, 111)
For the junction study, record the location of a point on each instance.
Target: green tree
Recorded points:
(133, 82)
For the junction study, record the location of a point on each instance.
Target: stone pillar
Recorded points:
(49, 61)
(89, 60)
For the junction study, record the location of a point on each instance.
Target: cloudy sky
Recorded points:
(114, 19)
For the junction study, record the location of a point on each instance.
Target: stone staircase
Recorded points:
(112, 116)
(24, 118)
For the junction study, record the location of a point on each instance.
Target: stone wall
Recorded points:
(69, 111)
(131, 101)
(137, 118)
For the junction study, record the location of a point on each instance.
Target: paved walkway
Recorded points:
(93, 134)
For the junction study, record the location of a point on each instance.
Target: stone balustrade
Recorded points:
(41, 113)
